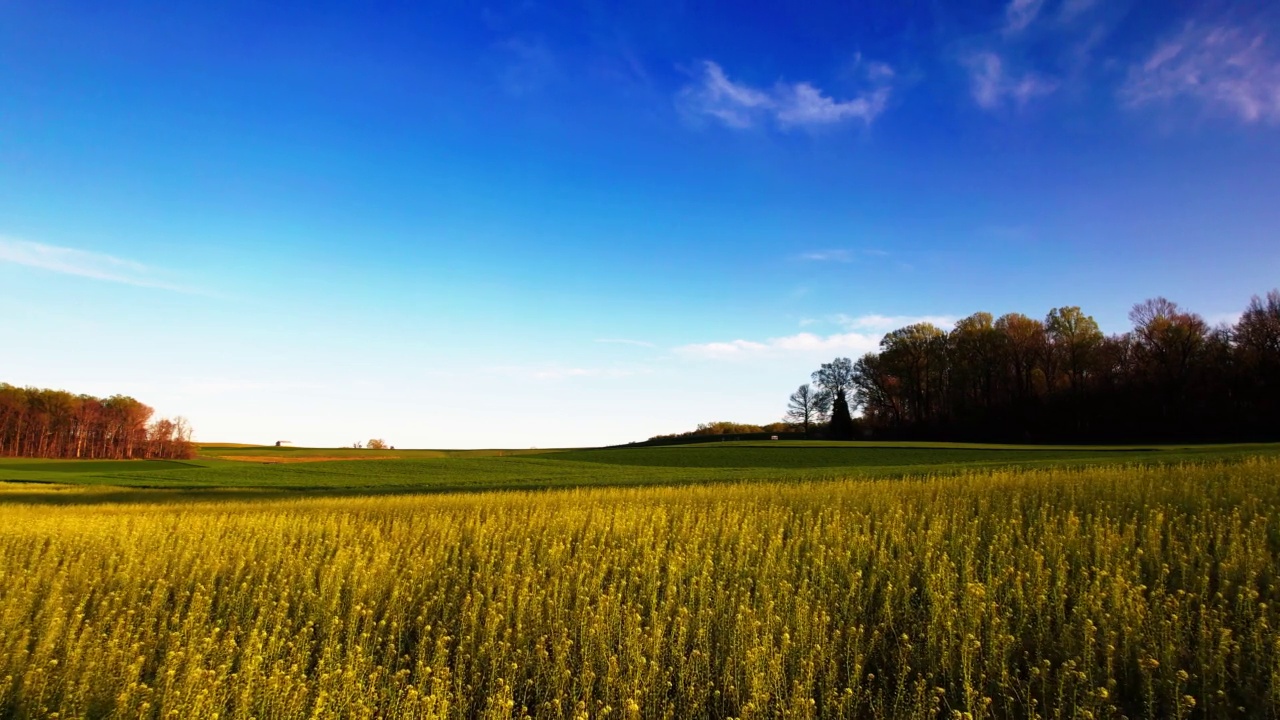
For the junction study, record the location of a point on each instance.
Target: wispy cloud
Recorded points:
(841, 255)
(223, 386)
(556, 372)
(83, 263)
(788, 105)
(993, 85)
(1072, 9)
(1018, 14)
(1226, 68)
(1038, 48)
(565, 373)
(625, 341)
(527, 66)
(716, 95)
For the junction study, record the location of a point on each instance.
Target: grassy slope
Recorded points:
(13, 468)
(441, 470)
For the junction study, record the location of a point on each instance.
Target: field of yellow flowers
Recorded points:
(1149, 592)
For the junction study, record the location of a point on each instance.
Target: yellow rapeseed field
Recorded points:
(1146, 592)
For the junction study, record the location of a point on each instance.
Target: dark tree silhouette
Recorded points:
(1173, 377)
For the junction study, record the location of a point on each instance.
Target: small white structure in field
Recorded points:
(774, 437)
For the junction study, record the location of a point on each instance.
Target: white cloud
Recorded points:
(853, 344)
(804, 104)
(1018, 14)
(83, 263)
(1226, 68)
(1225, 318)
(789, 105)
(863, 334)
(885, 323)
(992, 85)
(625, 341)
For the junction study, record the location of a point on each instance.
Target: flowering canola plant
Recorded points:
(1088, 592)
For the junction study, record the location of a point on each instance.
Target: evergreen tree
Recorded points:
(841, 427)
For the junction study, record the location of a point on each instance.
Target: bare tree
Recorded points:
(835, 375)
(1258, 332)
(830, 379)
(1168, 338)
(804, 407)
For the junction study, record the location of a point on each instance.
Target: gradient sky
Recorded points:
(528, 224)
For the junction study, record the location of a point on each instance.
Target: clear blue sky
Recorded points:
(536, 224)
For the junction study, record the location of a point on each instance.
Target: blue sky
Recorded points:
(527, 224)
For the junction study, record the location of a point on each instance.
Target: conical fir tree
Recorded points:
(841, 427)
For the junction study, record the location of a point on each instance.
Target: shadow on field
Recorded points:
(66, 495)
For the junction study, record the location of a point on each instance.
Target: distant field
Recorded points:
(230, 451)
(347, 469)
(786, 455)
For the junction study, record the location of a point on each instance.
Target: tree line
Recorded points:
(724, 427)
(42, 423)
(1173, 377)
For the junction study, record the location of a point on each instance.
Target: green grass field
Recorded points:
(344, 469)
